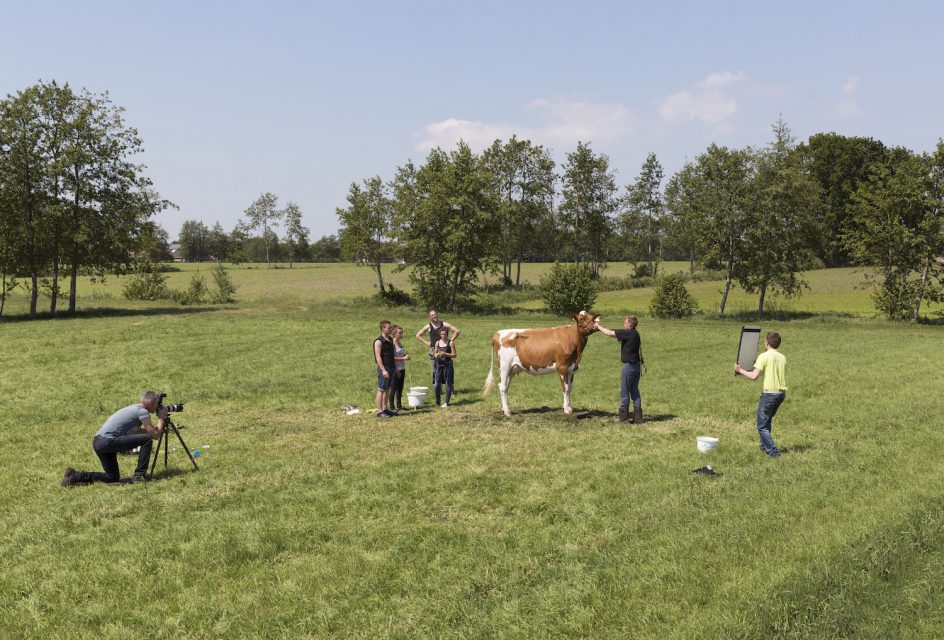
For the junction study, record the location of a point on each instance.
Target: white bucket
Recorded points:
(419, 390)
(706, 443)
(414, 399)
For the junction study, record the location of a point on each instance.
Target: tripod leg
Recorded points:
(157, 453)
(184, 445)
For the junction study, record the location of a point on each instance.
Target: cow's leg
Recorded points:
(567, 379)
(504, 381)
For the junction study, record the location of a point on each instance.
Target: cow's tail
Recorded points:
(490, 380)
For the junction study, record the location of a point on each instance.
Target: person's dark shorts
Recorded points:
(383, 383)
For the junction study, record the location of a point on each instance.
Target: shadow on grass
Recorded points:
(108, 312)
(780, 316)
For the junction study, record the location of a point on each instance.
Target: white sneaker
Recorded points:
(445, 405)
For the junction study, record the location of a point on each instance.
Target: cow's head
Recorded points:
(586, 322)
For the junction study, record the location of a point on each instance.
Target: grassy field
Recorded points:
(459, 523)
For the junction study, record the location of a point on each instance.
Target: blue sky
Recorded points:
(234, 99)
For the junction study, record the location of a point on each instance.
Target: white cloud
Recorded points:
(559, 121)
(709, 101)
(848, 107)
(722, 79)
(850, 85)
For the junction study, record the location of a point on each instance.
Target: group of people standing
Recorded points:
(440, 338)
(390, 355)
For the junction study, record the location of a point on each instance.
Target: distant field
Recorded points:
(831, 291)
(458, 523)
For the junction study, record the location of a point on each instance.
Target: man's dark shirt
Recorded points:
(629, 344)
(386, 353)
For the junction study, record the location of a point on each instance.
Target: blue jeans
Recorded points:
(443, 376)
(766, 410)
(629, 385)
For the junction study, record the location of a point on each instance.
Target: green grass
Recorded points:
(459, 523)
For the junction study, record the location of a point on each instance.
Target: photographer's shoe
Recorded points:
(139, 477)
(69, 478)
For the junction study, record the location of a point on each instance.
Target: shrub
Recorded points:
(568, 289)
(672, 299)
(225, 289)
(196, 293)
(393, 297)
(146, 283)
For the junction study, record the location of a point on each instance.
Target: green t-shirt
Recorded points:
(773, 364)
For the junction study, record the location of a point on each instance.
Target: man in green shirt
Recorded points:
(773, 364)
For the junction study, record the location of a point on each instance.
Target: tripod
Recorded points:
(164, 441)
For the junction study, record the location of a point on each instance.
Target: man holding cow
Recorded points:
(631, 357)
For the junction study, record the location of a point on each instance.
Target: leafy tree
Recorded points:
(641, 221)
(672, 299)
(24, 172)
(568, 288)
(589, 203)
(523, 180)
(194, 241)
(710, 204)
(785, 205)
(840, 164)
(154, 244)
(326, 249)
(296, 235)
(264, 214)
(366, 224)
(896, 227)
(219, 244)
(449, 238)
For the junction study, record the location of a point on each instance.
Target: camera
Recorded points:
(171, 408)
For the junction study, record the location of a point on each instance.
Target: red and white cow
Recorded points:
(540, 351)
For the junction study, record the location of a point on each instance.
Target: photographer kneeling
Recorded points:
(115, 437)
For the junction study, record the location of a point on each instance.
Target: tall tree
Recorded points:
(523, 180)
(21, 133)
(194, 241)
(896, 227)
(219, 244)
(641, 220)
(839, 164)
(589, 202)
(709, 201)
(264, 214)
(366, 224)
(296, 235)
(785, 209)
(448, 242)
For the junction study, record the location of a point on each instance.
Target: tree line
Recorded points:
(72, 199)
(759, 216)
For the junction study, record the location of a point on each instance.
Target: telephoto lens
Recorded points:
(174, 408)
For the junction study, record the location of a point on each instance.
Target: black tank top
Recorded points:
(386, 352)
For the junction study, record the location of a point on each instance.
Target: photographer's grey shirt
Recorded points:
(123, 421)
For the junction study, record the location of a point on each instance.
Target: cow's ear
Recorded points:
(575, 318)
(597, 317)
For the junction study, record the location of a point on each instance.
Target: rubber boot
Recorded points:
(637, 415)
(623, 416)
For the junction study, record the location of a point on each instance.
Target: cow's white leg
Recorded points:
(504, 381)
(567, 378)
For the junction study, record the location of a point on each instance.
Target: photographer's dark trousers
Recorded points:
(107, 450)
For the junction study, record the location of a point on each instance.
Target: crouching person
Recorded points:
(116, 436)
